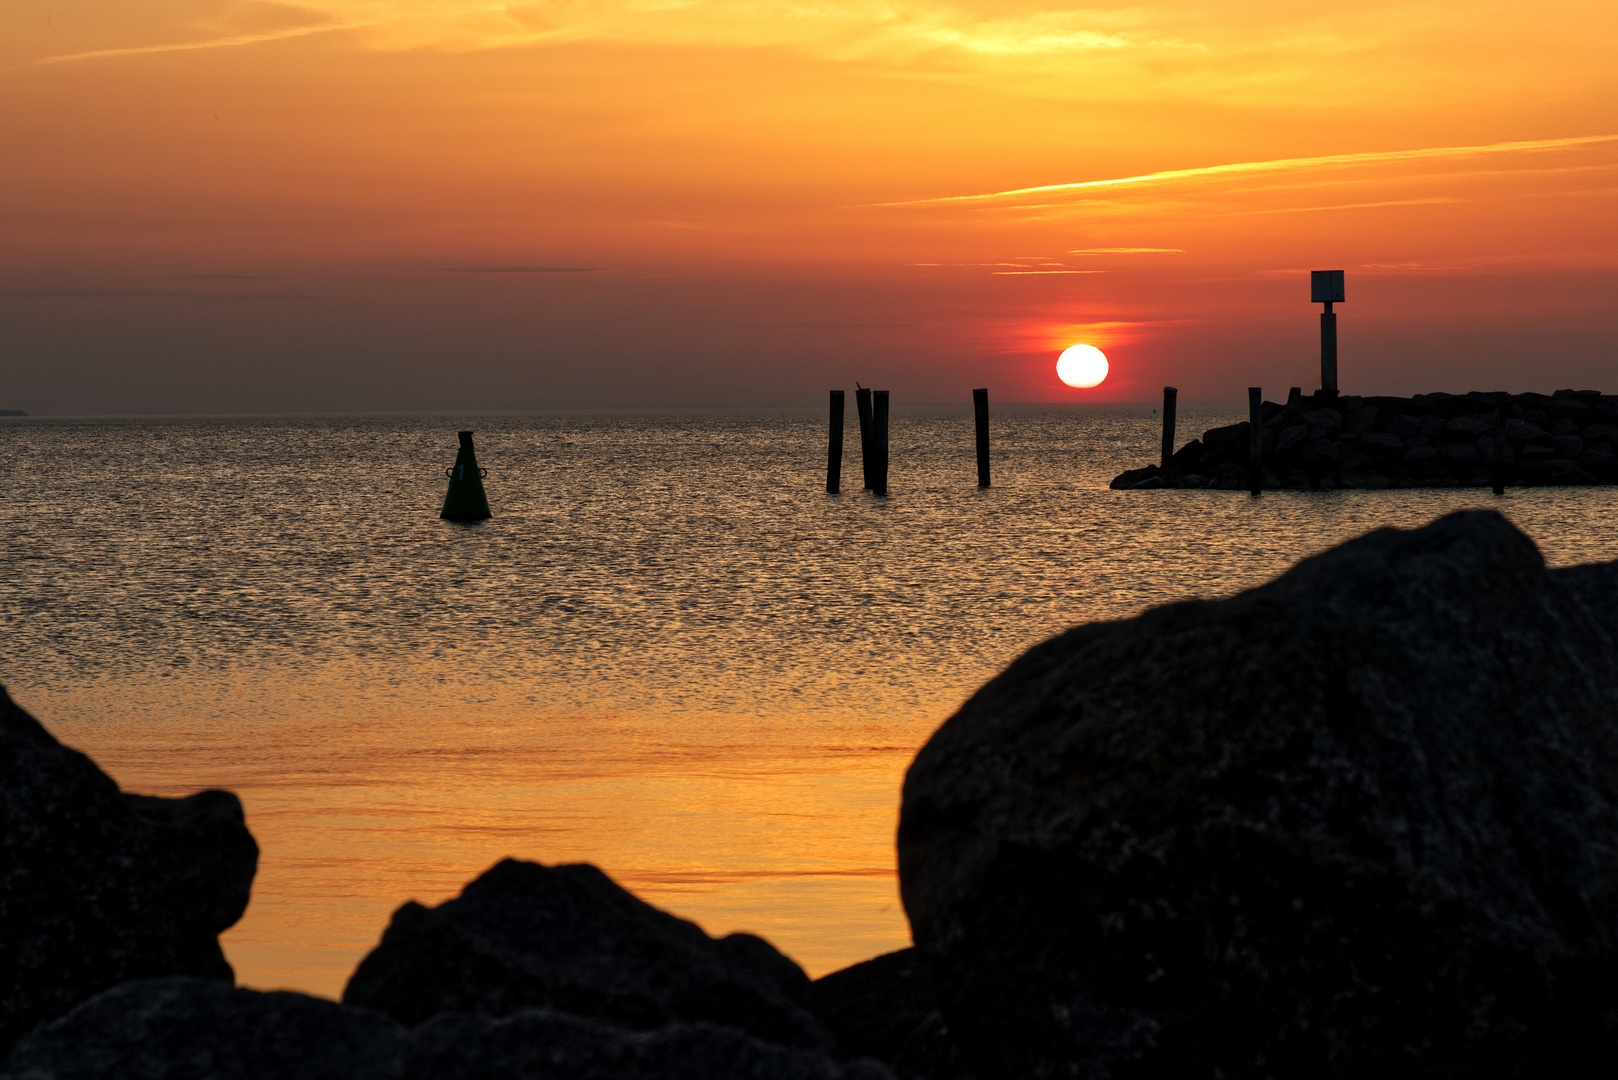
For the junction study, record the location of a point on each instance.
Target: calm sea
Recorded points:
(669, 653)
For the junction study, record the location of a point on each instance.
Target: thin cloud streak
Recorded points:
(1434, 201)
(186, 46)
(1277, 165)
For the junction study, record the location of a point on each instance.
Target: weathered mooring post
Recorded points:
(465, 500)
(980, 411)
(1255, 417)
(1500, 444)
(879, 441)
(1326, 287)
(1170, 398)
(834, 445)
(862, 405)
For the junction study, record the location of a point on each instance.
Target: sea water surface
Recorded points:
(669, 653)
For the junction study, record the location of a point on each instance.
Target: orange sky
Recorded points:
(211, 205)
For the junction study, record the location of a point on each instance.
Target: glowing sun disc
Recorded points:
(1082, 366)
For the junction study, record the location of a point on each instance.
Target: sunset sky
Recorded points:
(326, 205)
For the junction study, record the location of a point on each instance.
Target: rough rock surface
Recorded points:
(568, 938)
(1360, 820)
(1430, 440)
(884, 1008)
(198, 1029)
(97, 886)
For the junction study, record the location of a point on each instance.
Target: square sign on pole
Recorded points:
(1325, 286)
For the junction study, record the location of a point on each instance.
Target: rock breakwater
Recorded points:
(1429, 440)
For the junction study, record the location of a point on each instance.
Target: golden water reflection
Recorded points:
(782, 829)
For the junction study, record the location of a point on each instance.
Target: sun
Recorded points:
(1082, 366)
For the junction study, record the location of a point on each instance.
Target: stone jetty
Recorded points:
(1324, 441)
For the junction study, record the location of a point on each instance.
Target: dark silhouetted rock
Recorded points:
(885, 1008)
(1360, 821)
(198, 1029)
(546, 1045)
(1135, 478)
(97, 886)
(568, 938)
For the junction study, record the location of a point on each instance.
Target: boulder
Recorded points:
(885, 1009)
(198, 1029)
(1136, 478)
(98, 886)
(1361, 820)
(1470, 426)
(1459, 453)
(541, 1044)
(1292, 436)
(568, 938)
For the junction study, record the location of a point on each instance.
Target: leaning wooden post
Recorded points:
(1170, 397)
(1255, 415)
(879, 441)
(980, 410)
(862, 405)
(1500, 444)
(834, 445)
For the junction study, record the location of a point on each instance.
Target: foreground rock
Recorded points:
(1360, 820)
(568, 938)
(1430, 440)
(195, 1029)
(97, 886)
(885, 1009)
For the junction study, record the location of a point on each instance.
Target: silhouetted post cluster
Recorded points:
(872, 408)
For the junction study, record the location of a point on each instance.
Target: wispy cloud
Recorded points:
(1126, 251)
(206, 43)
(1276, 165)
(1434, 201)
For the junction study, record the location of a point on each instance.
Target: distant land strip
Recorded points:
(525, 269)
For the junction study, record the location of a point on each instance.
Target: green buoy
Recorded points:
(465, 500)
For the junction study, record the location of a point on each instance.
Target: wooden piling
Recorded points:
(834, 445)
(1255, 416)
(980, 410)
(1500, 444)
(1170, 398)
(879, 442)
(862, 405)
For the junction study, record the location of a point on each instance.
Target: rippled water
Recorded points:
(669, 652)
